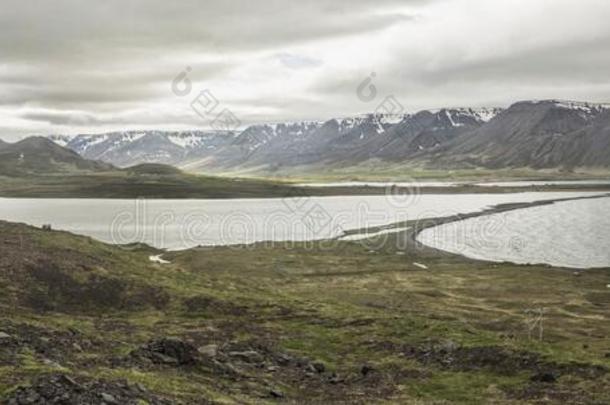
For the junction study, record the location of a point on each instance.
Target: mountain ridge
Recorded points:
(526, 134)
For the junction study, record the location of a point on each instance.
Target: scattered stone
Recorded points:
(51, 363)
(449, 346)
(421, 266)
(249, 356)
(310, 369)
(141, 388)
(4, 336)
(62, 389)
(276, 394)
(208, 350)
(69, 380)
(335, 379)
(545, 377)
(109, 399)
(284, 359)
(168, 351)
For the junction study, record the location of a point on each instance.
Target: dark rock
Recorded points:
(319, 366)
(276, 394)
(168, 351)
(335, 379)
(545, 377)
(366, 370)
(62, 389)
(249, 356)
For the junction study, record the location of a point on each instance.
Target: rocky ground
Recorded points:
(84, 322)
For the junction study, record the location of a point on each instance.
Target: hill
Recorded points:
(84, 322)
(38, 167)
(41, 156)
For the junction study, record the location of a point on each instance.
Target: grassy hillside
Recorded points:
(40, 156)
(130, 184)
(345, 323)
(383, 171)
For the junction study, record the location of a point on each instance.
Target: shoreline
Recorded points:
(410, 230)
(415, 227)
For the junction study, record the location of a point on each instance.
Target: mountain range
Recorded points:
(528, 134)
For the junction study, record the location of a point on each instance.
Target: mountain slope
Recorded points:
(38, 155)
(589, 146)
(424, 130)
(528, 134)
(134, 147)
(536, 134)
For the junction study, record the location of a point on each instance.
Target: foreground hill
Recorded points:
(85, 322)
(530, 134)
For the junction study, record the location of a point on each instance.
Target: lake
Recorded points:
(180, 224)
(567, 234)
(600, 182)
(421, 184)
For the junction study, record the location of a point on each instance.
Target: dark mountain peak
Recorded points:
(37, 142)
(330, 125)
(585, 109)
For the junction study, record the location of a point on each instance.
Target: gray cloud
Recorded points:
(67, 66)
(63, 118)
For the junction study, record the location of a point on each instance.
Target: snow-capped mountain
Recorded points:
(535, 134)
(525, 135)
(133, 147)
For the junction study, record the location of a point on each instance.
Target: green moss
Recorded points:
(345, 307)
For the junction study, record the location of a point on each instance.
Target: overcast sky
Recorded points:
(86, 67)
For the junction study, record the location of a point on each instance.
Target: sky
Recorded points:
(69, 67)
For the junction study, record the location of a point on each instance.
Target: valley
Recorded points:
(312, 202)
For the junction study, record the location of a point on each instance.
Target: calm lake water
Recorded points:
(180, 224)
(411, 184)
(568, 234)
(421, 184)
(545, 183)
